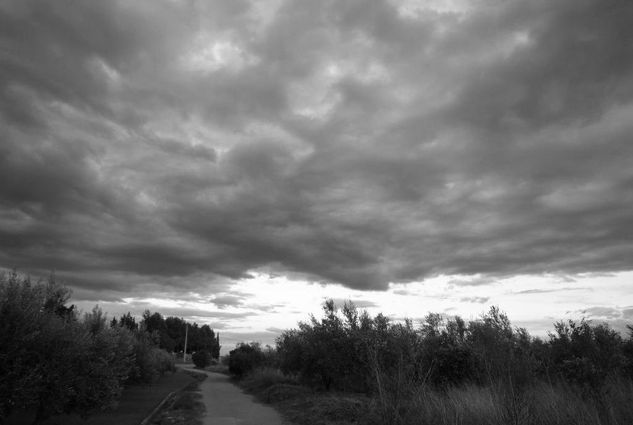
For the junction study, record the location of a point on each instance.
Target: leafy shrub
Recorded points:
(49, 360)
(587, 354)
(244, 358)
(151, 362)
(201, 358)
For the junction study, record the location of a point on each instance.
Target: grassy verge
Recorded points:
(136, 403)
(539, 404)
(301, 405)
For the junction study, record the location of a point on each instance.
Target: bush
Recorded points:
(151, 362)
(244, 358)
(201, 358)
(49, 360)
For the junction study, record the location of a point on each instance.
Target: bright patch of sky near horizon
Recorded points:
(265, 305)
(173, 155)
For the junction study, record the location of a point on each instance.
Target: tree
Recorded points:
(201, 358)
(587, 354)
(244, 358)
(128, 321)
(49, 360)
(492, 340)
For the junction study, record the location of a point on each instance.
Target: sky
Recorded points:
(237, 162)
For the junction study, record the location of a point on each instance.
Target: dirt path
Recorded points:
(228, 405)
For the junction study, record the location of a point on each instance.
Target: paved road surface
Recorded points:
(227, 405)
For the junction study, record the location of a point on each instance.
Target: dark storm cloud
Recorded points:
(174, 144)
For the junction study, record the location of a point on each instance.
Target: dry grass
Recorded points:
(539, 404)
(301, 405)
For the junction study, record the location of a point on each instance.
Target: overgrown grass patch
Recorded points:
(301, 405)
(538, 404)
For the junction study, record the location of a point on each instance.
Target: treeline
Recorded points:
(171, 332)
(444, 369)
(55, 360)
(350, 350)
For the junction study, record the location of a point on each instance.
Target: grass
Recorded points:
(301, 405)
(136, 403)
(538, 404)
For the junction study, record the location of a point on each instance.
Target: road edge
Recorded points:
(160, 405)
(149, 417)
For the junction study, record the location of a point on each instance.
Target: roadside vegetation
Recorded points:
(55, 360)
(348, 367)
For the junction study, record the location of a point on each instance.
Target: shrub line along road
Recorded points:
(226, 404)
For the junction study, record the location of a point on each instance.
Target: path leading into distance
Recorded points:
(226, 404)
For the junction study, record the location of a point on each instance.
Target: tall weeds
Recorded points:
(539, 404)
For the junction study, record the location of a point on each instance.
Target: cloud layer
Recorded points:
(154, 145)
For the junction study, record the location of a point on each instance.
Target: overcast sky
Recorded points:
(235, 162)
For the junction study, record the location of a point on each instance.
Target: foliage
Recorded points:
(351, 351)
(587, 354)
(151, 362)
(446, 371)
(201, 358)
(244, 358)
(53, 361)
(169, 334)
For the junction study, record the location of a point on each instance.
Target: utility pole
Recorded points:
(184, 355)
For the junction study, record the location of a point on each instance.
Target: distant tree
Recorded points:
(95, 321)
(153, 322)
(199, 337)
(128, 321)
(56, 297)
(175, 328)
(155, 325)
